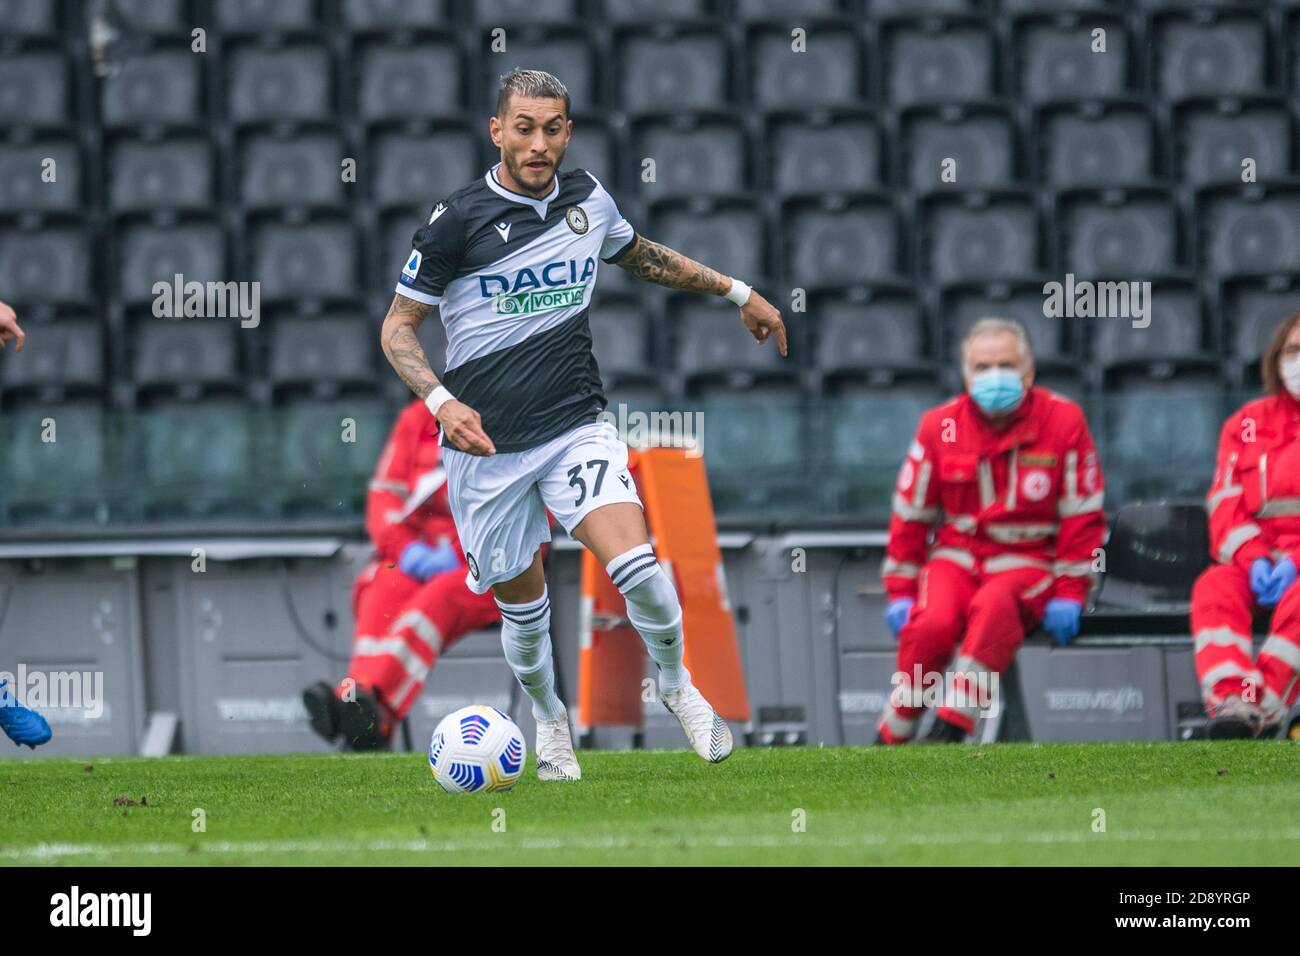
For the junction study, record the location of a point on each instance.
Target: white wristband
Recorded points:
(738, 293)
(436, 399)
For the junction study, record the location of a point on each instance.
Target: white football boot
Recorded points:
(555, 757)
(707, 732)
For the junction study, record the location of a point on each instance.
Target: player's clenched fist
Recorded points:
(9, 328)
(464, 429)
(762, 319)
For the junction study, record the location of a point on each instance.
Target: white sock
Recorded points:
(654, 610)
(526, 638)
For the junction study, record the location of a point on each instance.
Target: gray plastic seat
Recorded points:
(150, 254)
(1124, 236)
(1115, 147)
(65, 355)
(1252, 311)
(171, 174)
(48, 265)
(855, 244)
(565, 53)
(641, 11)
(421, 82)
(526, 11)
(855, 337)
(1214, 142)
(185, 356)
(336, 351)
(844, 155)
(155, 16)
(1176, 331)
(317, 469)
(1202, 56)
(23, 186)
(671, 74)
(982, 144)
(160, 87)
(1158, 439)
(592, 149)
(29, 18)
(293, 83)
(770, 9)
(1057, 62)
(786, 79)
(312, 261)
(34, 90)
(964, 307)
(708, 158)
(197, 460)
(974, 242)
(1250, 232)
(953, 63)
(395, 14)
(257, 16)
(301, 170)
(619, 340)
(731, 239)
(713, 345)
(422, 169)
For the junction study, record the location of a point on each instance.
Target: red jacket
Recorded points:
(1254, 500)
(412, 454)
(1027, 495)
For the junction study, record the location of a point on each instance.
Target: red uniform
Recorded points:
(1019, 522)
(1254, 509)
(403, 625)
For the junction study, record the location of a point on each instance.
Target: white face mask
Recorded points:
(1291, 375)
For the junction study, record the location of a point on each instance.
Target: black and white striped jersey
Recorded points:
(512, 277)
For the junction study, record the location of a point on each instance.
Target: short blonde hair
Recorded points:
(992, 326)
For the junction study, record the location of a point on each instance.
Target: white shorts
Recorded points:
(499, 502)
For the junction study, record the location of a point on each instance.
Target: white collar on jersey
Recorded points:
(538, 204)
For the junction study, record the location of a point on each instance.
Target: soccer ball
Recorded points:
(476, 748)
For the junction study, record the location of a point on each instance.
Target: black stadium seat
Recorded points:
(642, 11)
(492, 12)
(964, 305)
(29, 18)
(1118, 234)
(323, 354)
(843, 152)
(672, 73)
(860, 333)
(422, 168)
(167, 174)
(826, 72)
(186, 358)
(1215, 138)
(265, 16)
(149, 254)
(1203, 54)
(978, 236)
(619, 335)
(1249, 231)
(975, 147)
(49, 265)
(313, 261)
(1096, 144)
(422, 82)
(730, 236)
(831, 242)
(156, 16)
(939, 62)
(162, 87)
(34, 90)
(691, 159)
(302, 170)
(1055, 60)
(563, 51)
(291, 83)
(1176, 333)
(45, 176)
(367, 15)
(69, 358)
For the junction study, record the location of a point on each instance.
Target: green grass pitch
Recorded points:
(1190, 803)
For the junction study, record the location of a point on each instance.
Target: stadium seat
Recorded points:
(770, 9)
(494, 12)
(728, 235)
(754, 449)
(53, 481)
(158, 88)
(671, 73)
(656, 11)
(418, 82)
(1253, 309)
(299, 170)
(1249, 230)
(835, 241)
(291, 83)
(1154, 554)
(50, 265)
(861, 331)
(34, 90)
(1052, 6)
(266, 16)
(324, 453)
(1158, 438)
(29, 18)
(1176, 333)
(563, 51)
(186, 358)
(1054, 58)
(324, 355)
(313, 261)
(979, 236)
(620, 341)
(592, 149)
(980, 142)
(1215, 138)
(156, 16)
(715, 351)
(1118, 234)
(384, 15)
(1205, 53)
(422, 168)
(842, 151)
(396, 231)
(1095, 144)
(150, 254)
(167, 174)
(69, 359)
(826, 73)
(204, 460)
(944, 61)
(964, 305)
(28, 183)
(691, 157)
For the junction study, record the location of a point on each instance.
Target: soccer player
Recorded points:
(1009, 474)
(410, 602)
(1254, 510)
(510, 260)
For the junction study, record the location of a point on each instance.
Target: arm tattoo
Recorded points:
(651, 262)
(403, 348)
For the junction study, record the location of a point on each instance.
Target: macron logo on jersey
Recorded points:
(412, 267)
(561, 285)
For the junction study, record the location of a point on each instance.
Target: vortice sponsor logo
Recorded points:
(556, 285)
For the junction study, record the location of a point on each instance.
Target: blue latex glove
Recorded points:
(1061, 620)
(421, 561)
(896, 615)
(1261, 574)
(1283, 576)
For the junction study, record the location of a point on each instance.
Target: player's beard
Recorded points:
(521, 173)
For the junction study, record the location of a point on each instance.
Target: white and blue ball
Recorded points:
(477, 749)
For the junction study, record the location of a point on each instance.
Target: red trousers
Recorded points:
(403, 626)
(988, 614)
(1226, 664)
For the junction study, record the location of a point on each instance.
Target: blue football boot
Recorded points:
(22, 725)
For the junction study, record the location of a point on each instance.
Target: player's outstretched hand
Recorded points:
(9, 328)
(464, 429)
(762, 319)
